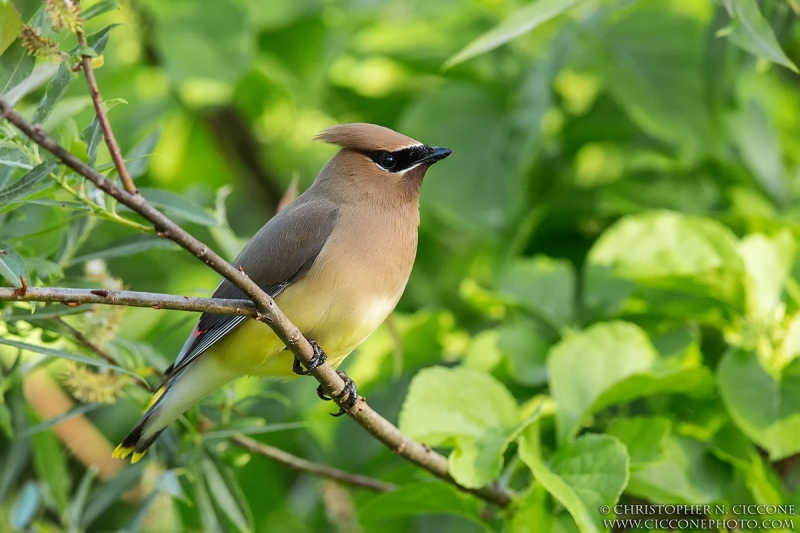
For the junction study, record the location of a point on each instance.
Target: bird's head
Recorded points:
(376, 156)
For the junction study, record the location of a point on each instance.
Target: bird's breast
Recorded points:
(354, 284)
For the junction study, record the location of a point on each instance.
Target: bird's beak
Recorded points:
(438, 154)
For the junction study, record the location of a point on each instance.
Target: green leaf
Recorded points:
(663, 245)
(41, 74)
(15, 65)
(10, 25)
(730, 445)
(228, 496)
(17, 456)
(5, 176)
(751, 32)
(92, 134)
(53, 93)
(179, 207)
(605, 294)
(73, 239)
(675, 253)
(66, 109)
(483, 353)
(12, 267)
(687, 474)
(127, 249)
(583, 475)
(51, 467)
(98, 40)
(420, 499)
(651, 62)
(614, 362)
(104, 495)
(534, 512)
(139, 156)
(44, 269)
(99, 8)
(472, 201)
(18, 190)
(644, 437)
(49, 423)
(759, 144)
(88, 51)
(525, 351)
(545, 286)
(12, 156)
(61, 354)
(205, 509)
(518, 23)
(768, 263)
(6, 425)
(79, 500)
(441, 408)
(765, 407)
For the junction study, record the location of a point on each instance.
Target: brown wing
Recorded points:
(280, 253)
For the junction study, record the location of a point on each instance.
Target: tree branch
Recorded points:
(303, 465)
(73, 297)
(102, 118)
(268, 312)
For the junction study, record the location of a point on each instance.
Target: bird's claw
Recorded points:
(319, 358)
(349, 389)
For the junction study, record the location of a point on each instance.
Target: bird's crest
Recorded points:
(365, 137)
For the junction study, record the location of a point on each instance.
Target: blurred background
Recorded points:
(612, 247)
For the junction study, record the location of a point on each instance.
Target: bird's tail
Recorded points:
(191, 385)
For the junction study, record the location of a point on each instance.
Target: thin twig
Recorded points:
(83, 340)
(74, 297)
(331, 382)
(102, 118)
(99, 350)
(303, 465)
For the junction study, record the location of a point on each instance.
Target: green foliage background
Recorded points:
(605, 305)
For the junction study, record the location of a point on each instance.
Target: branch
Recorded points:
(303, 465)
(102, 118)
(331, 382)
(88, 343)
(74, 297)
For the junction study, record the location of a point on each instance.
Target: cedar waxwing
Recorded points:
(336, 261)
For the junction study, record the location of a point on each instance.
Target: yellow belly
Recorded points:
(338, 324)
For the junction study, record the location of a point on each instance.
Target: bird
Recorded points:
(336, 261)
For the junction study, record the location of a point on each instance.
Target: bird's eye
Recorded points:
(387, 161)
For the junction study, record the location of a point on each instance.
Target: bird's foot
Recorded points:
(349, 389)
(319, 358)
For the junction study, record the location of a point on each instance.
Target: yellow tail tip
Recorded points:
(137, 456)
(121, 452)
